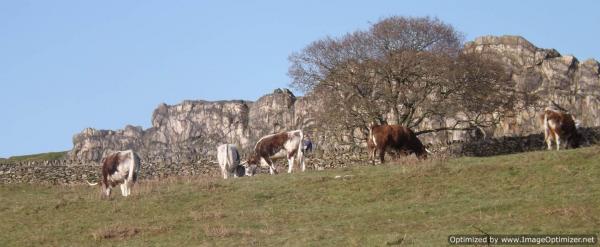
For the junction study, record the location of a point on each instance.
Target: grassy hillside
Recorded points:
(38, 157)
(411, 204)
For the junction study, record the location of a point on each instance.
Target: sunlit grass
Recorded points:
(413, 203)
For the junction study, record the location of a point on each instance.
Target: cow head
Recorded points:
(421, 153)
(250, 166)
(574, 141)
(240, 171)
(576, 138)
(105, 191)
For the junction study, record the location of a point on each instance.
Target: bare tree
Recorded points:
(408, 71)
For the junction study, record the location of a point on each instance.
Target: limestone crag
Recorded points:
(547, 76)
(91, 144)
(194, 127)
(192, 130)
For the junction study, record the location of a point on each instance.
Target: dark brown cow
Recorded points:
(285, 144)
(560, 126)
(396, 137)
(119, 168)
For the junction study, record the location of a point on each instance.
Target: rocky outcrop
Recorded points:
(91, 144)
(547, 77)
(192, 130)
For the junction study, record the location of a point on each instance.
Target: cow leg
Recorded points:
(107, 191)
(290, 164)
(550, 137)
(557, 141)
(124, 189)
(302, 162)
(271, 167)
(129, 186)
(382, 156)
(549, 143)
(224, 172)
(547, 136)
(372, 154)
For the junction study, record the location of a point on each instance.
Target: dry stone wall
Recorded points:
(69, 172)
(77, 172)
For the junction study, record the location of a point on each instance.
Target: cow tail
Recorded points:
(300, 154)
(228, 156)
(546, 126)
(233, 159)
(133, 166)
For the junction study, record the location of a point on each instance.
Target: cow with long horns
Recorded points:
(120, 168)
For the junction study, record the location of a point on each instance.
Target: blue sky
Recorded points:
(68, 65)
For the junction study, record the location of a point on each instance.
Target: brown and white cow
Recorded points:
(284, 144)
(560, 126)
(396, 137)
(120, 168)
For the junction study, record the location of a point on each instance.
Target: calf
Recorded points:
(560, 126)
(120, 168)
(396, 137)
(229, 161)
(285, 144)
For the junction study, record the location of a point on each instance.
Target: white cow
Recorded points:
(229, 161)
(120, 168)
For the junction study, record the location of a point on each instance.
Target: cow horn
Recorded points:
(427, 150)
(91, 184)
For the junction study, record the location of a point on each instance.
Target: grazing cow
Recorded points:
(560, 126)
(229, 161)
(119, 168)
(396, 137)
(285, 144)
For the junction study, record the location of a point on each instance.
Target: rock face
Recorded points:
(193, 129)
(91, 144)
(186, 131)
(547, 76)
